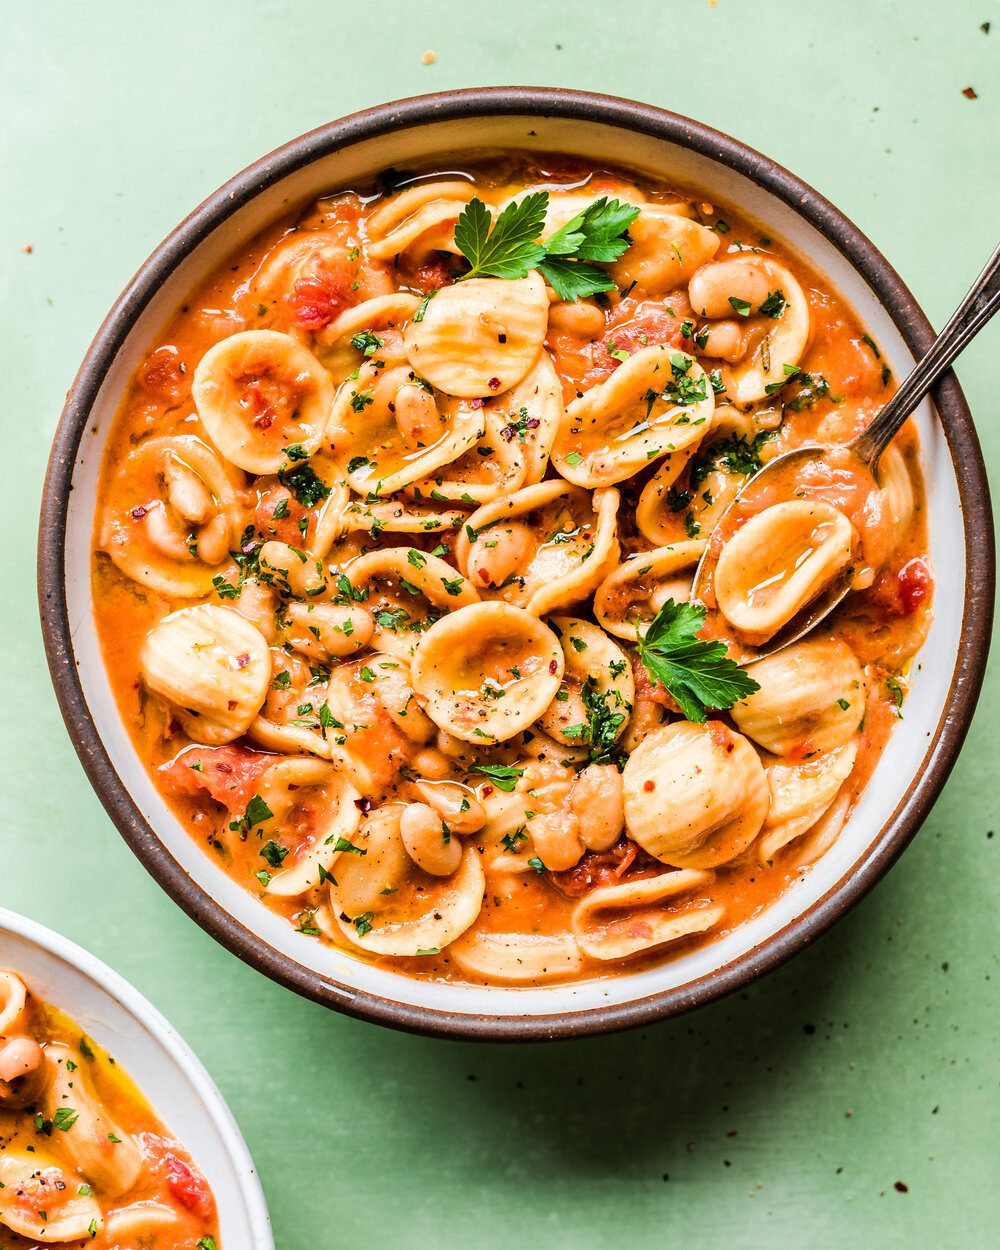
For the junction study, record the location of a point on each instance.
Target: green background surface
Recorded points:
(782, 1116)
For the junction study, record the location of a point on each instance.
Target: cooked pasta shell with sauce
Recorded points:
(517, 958)
(103, 1151)
(414, 923)
(632, 594)
(801, 793)
(696, 796)
(597, 684)
(778, 562)
(656, 403)
(812, 697)
(495, 466)
(402, 515)
(487, 671)
(543, 548)
(13, 998)
(41, 1201)
(388, 429)
(407, 590)
(617, 921)
(313, 806)
(178, 510)
(376, 323)
(212, 666)
(743, 283)
(666, 509)
(666, 250)
(480, 337)
(259, 393)
(421, 218)
(897, 491)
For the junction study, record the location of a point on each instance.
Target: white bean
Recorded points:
(741, 278)
(428, 841)
(596, 801)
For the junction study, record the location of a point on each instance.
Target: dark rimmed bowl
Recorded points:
(347, 152)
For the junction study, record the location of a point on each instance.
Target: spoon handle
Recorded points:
(982, 301)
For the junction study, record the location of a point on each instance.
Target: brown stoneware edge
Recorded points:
(963, 447)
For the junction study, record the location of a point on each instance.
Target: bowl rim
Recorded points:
(964, 452)
(95, 972)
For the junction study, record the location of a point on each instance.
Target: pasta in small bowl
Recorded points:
(89, 1072)
(370, 608)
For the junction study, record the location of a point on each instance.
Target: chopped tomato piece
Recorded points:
(183, 1181)
(229, 774)
(598, 868)
(915, 584)
(435, 273)
(320, 296)
(278, 515)
(901, 592)
(163, 374)
(648, 691)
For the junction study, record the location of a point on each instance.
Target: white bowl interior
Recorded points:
(167, 1071)
(932, 674)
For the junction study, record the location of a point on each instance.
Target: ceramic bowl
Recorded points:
(164, 1067)
(436, 128)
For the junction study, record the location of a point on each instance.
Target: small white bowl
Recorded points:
(164, 1067)
(602, 130)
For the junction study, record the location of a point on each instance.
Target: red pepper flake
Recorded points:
(364, 805)
(475, 403)
(553, 667)
(242, 660)
(494, 384)
(649, 786)
(231, 705)
(27, 248)
(901, 1187)
(484, 576)
(138, 513)
(487, 791)
(970, 93)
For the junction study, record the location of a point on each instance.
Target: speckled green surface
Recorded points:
(784, 1116)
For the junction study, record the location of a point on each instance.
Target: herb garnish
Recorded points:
(697, 673)
(510, 248)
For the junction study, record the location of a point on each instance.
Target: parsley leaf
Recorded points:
(508, 250)
(698, 674)
(503, 776)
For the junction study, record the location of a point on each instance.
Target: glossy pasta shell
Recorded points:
(465, 658)
(259, 448)
(778, 562)
(213, 666)
(619, 426)
(616, 921)
(812, 697)
(695, 795)
(480, 337)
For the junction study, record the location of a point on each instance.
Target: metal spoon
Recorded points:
(981, 303)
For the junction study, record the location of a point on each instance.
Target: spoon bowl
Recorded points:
(975, 310)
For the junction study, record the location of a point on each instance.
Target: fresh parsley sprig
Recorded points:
(697, 673)
(510, 248)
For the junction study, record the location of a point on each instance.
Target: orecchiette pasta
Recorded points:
(713, 787)
(811, 697)
(778, 563)
(656, 404)
(262, 397)
(395, 557)
(71, 1171)
(479, 338)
